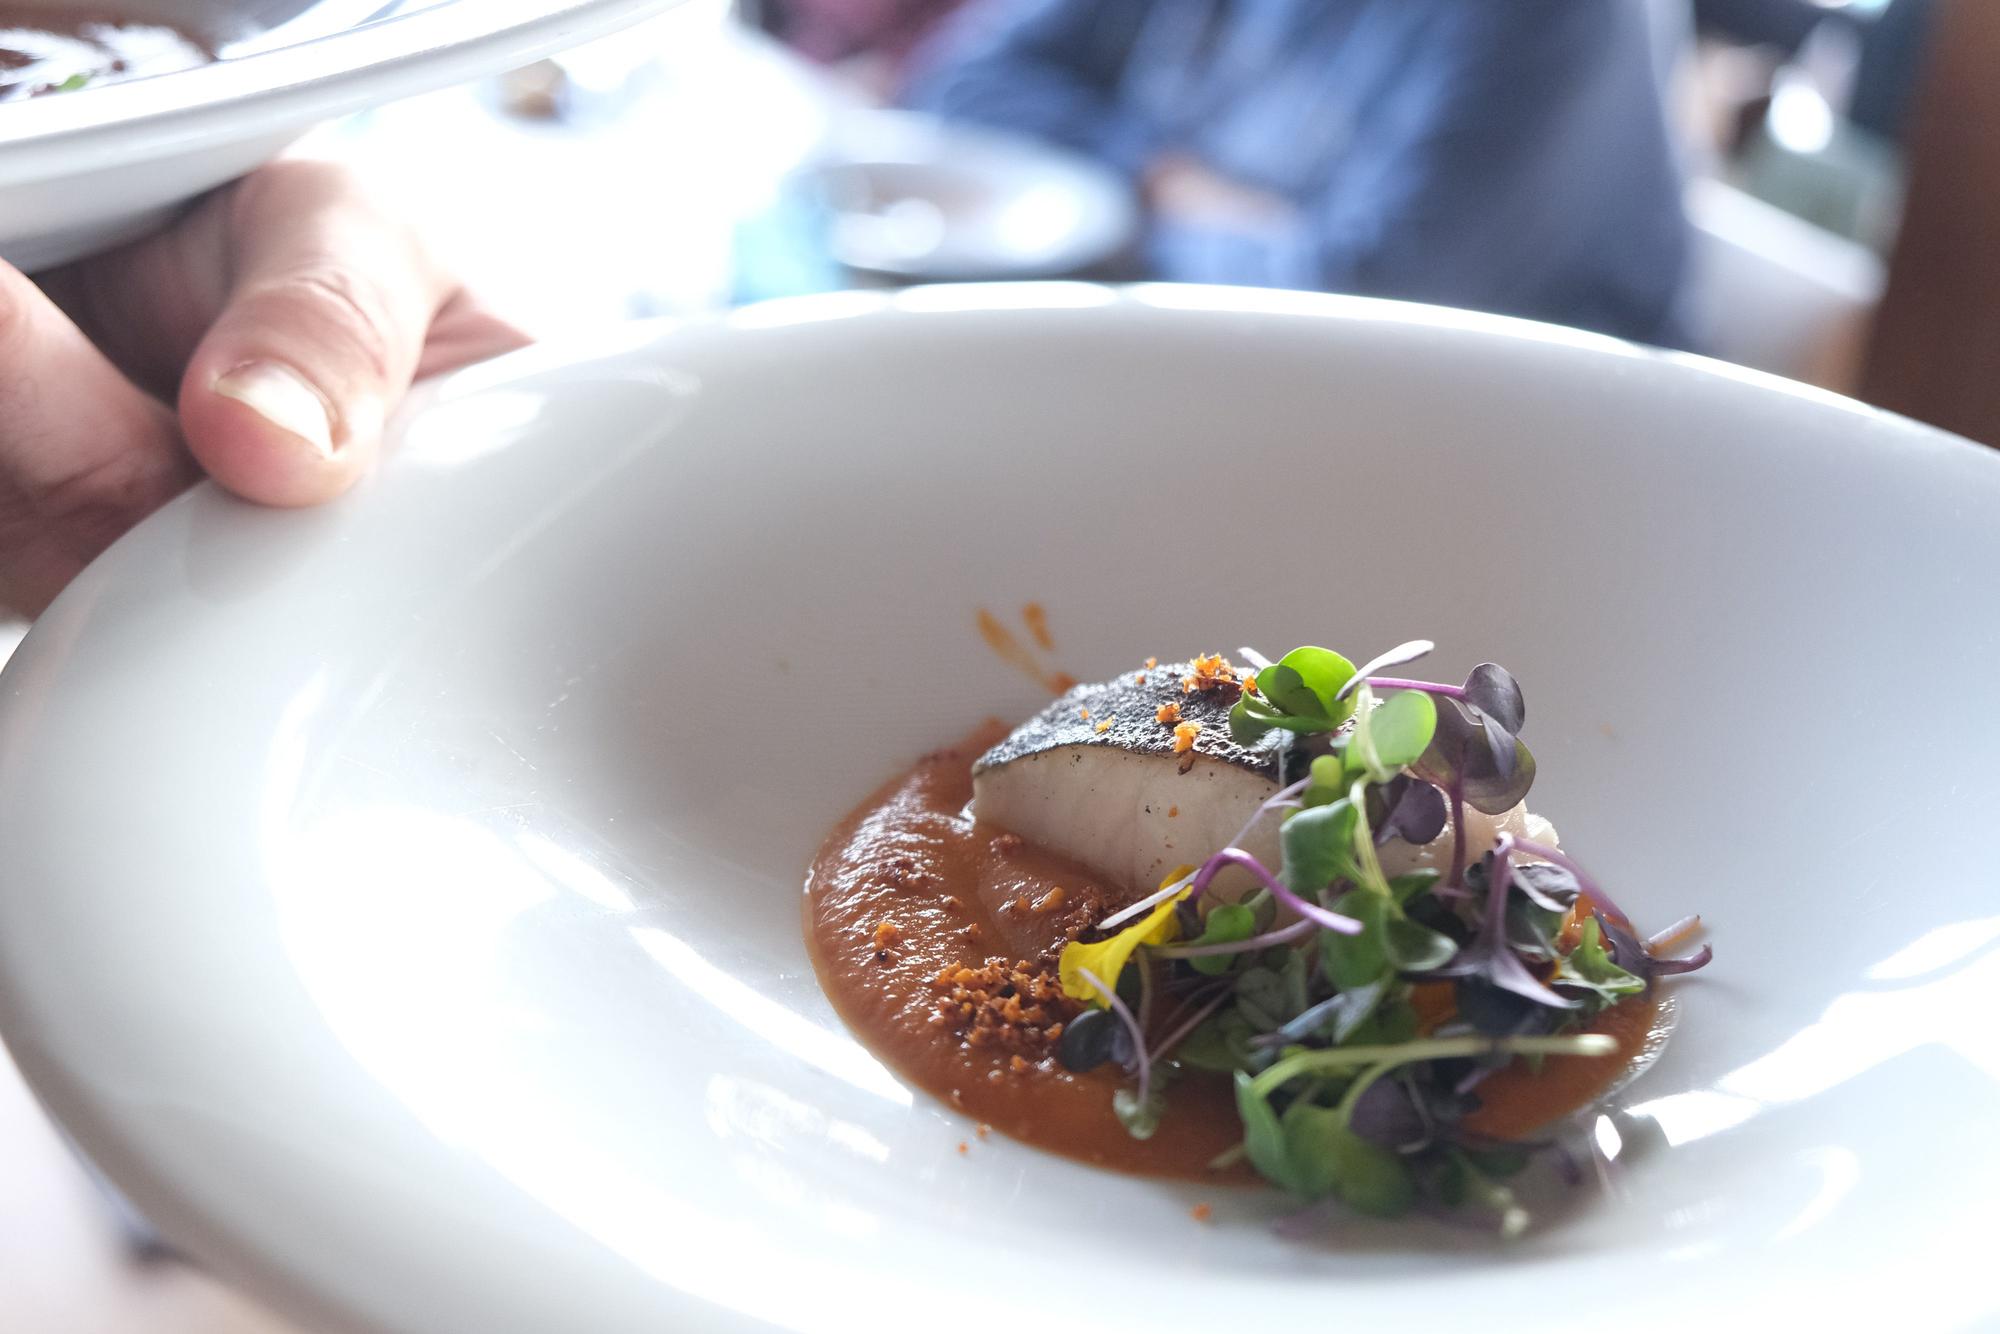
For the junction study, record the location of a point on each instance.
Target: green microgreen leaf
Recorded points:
(1318, 847)
(1388, 942)
(1412, 884)
(1325, 1157)
(1227, 923)
(1263, 1136)
(1309, 682)
(1393, 734)
(1220, 1043)
(1327, 781)
(1357, 960)
(1589, 968)
(1392, 1022)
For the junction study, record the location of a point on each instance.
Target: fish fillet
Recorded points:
(1121, 801)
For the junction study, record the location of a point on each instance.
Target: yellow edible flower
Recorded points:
(1106, 958)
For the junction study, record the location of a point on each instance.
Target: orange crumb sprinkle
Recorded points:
(1184, 736)
(964, 1148)
(1169, 712)
(1151, 663)
(983, 1130)
(1083, 714)
(1210, 672)
(1017, 1064)
(1017, 1007)
(1104, 727)
(887, 933)
(1201, 1213)
(1052, 900)
(1142, 678)
(1173, 812)
(1250, 685)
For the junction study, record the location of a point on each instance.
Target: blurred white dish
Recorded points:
(403, 896)
(917, 198)
(82, 170)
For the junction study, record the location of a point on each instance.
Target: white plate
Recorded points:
(81, 171)
(403, 897)
(912, 196)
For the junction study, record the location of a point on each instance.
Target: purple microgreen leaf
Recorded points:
(1501, 745)
(1495, 693)
(1386, 1114)
(1091, 1039)
(1546, 885)
(1462, 757)
(1488, 957)
(1585, 883)
(1414, 811)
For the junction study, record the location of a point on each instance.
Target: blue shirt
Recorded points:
(1503, 155)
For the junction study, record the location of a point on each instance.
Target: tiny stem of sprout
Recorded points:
(1284, 935)
(1456, 880)
(1428, 687)
(1364, 839)
(1144, 1067)
(1673, 935)
(1428, 1049)
(1332, 921)
(1179, 1035)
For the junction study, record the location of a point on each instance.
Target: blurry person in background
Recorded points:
(873, 38)
(1510, 157)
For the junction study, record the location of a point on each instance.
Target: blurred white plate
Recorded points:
(916, 198)
(82, 170)
(402, 897)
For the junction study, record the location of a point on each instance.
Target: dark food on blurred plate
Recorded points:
(45, 50)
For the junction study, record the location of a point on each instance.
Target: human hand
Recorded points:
(285, 316)
(1188, 190)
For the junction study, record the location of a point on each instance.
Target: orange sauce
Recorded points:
(955, 892)
(1518, 1101)
(1018, 655)
(1036, 617)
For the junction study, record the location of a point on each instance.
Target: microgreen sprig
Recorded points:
(1319, 992)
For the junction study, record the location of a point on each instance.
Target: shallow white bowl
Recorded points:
(84, 170)
(403, 897)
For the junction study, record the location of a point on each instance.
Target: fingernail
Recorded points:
(281, 397)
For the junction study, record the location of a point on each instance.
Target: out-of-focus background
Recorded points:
(1723, 176)
(1807, 187)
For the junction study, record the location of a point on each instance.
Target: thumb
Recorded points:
(321, 332)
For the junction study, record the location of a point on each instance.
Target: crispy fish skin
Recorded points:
(1123, 801)
(1131, 704)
